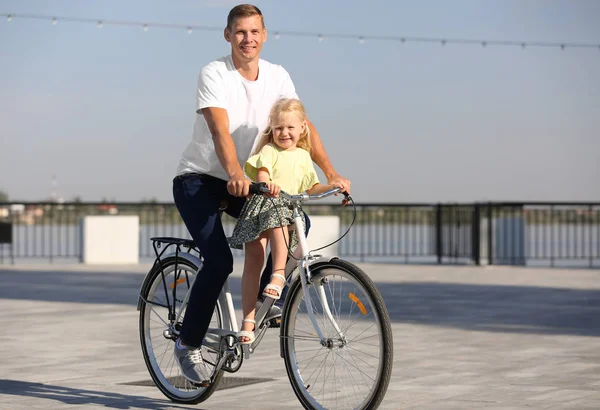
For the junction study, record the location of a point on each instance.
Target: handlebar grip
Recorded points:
(258, 188)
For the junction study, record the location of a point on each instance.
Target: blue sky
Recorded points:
(108, 111)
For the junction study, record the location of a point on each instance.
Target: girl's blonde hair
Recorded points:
(280, 108)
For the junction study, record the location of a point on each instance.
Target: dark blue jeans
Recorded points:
(197, 198)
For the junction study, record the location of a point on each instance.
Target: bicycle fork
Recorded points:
(306, 280)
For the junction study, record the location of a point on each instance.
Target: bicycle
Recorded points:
(327, 297)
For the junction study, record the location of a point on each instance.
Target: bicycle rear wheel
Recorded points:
(350, 370)
(156, 331)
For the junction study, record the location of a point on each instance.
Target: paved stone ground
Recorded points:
(464, 338)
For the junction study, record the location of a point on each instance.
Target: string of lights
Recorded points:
(190, 28)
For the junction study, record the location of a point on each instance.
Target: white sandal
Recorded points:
(276, 288)
(247, 333)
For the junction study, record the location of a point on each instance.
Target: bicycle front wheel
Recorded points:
(156, 330)
(351, 369)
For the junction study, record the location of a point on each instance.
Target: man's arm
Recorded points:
(319, 156)
(218, 124)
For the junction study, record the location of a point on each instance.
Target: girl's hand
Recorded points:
(274, 190)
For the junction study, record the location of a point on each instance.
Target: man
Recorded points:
(235, 94)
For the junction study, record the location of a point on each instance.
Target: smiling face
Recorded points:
(246, 35)
(287, 130)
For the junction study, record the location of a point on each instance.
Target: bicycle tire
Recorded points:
(165, 383)
(288, 342)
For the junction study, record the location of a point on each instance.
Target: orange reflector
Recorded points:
(356, 300)
(179, 282)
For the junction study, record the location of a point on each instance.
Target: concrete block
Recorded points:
(324, 229)
(110, 239)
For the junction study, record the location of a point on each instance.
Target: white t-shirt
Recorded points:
(247, 103)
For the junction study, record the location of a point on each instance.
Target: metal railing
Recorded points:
(544, 233)
(554, 234)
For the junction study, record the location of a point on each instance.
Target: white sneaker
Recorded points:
(192, 366)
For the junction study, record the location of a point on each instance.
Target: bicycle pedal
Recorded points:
(246, 351)
(275, 323)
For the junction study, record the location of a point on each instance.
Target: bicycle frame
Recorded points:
(166, 291)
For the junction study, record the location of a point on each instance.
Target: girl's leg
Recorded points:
(253, 264)
(265, 277)
(279, 240)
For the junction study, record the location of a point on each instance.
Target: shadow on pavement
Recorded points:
(77, 397)
(496, 308)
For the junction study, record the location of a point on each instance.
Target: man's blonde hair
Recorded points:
(279, 109)
(243, 10)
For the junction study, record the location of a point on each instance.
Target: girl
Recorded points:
(281, 159)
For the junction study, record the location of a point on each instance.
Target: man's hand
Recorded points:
(238, 185)
(339, 181)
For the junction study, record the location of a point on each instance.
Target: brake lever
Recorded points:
(347, 198)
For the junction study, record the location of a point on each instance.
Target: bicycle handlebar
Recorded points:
(260, 188)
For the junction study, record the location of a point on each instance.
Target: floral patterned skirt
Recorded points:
(259, 214)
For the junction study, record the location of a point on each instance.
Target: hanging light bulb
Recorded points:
(321, 37)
